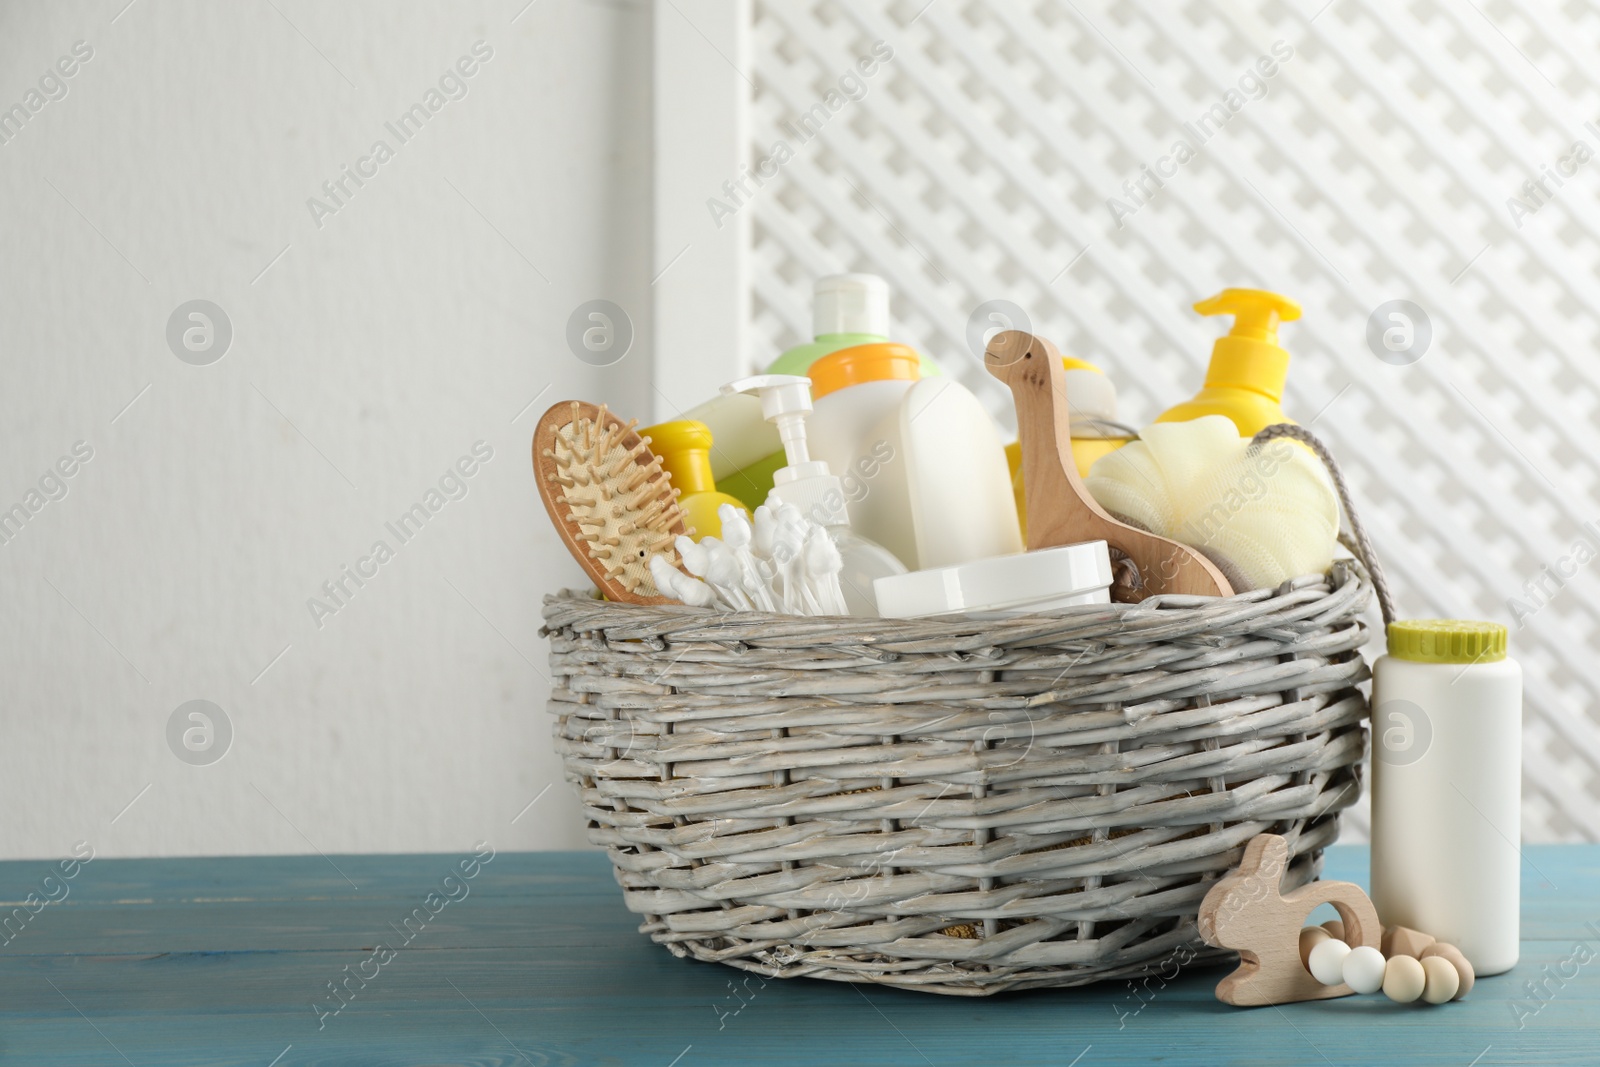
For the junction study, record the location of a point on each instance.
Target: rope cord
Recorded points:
(1363, 543)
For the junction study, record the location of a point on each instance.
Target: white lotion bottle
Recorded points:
(811, 486)
(853, 392)
(1447, 787)
(959, 502)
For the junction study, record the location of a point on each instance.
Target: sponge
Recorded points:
(1262, 515)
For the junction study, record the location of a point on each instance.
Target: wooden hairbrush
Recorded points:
(1060, 509)
(608, 497)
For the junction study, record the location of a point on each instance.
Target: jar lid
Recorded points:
(998, 583)
(878, 362)
(1447, 641)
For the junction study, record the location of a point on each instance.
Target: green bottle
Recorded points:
(846, 310)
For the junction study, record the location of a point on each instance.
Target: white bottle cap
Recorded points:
(806, 483)
(850, 303)
(1042, 580)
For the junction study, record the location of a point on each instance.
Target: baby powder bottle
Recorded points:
(1447, 787)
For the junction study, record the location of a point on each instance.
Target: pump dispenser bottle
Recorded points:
(1248, 367)
(812, 487)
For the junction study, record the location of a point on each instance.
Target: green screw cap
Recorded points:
(1447, 641)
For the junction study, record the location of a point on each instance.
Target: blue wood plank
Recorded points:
(219, 961)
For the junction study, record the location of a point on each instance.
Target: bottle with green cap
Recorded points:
(1447, 786)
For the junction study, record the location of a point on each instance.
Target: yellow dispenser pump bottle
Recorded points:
(1248, 366)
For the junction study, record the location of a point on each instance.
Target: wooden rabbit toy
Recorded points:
(1246, 911)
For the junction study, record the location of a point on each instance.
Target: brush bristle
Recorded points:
(623, 506)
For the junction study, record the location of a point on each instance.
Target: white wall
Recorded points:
(420, 318)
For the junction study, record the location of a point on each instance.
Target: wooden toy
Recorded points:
(1310, 938)
(1247, 911)
(1060, 509)
(608, 497)
(1404, 941)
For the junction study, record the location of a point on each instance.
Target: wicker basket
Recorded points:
(958, 805)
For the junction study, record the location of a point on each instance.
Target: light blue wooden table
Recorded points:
(228, 962)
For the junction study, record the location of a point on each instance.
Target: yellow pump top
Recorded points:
(1248, 366)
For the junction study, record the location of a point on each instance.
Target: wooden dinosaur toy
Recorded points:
(1060, 509)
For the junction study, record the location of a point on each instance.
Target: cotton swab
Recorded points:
(724, 574)
(781, 562)
(738, 536)
(823, 564)
(675, 583)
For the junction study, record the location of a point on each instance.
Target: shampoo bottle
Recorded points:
(684, 446)
(809, 485)
(747, 451)
(958, 505)
(1248, 367)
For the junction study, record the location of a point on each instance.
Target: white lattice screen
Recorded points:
(1378, 165)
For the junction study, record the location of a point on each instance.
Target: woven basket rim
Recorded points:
(1138, 618)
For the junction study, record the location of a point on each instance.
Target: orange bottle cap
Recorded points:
(878, 362)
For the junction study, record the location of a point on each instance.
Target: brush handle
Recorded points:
(1060, 509)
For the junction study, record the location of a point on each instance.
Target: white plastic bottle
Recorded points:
(809, 485)
(922, 461)
(853, 391)
(1447, 787)
(958, 504)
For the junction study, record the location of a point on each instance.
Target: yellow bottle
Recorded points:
(1248, 367)
(1092, 400)
(685, 450)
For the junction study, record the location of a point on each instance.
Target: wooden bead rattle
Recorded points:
(1417, 966)
(1246, 911)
